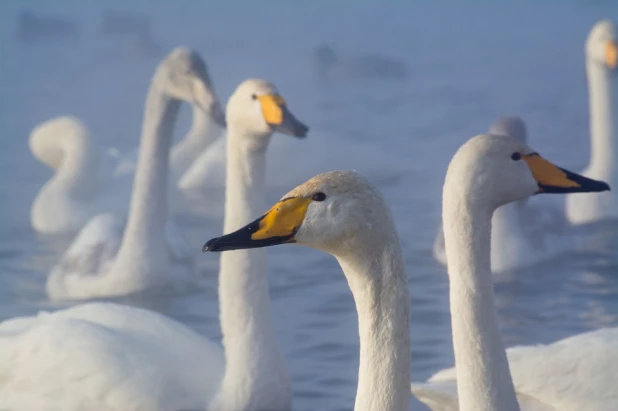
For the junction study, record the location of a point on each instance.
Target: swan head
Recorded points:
(513, 127)
(183, 75)
(491, 170)
(602, 44)
(43, 140)
(336, 212)
(256, 108)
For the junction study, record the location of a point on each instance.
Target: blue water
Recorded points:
(469, 63)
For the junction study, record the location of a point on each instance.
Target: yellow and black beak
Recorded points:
(278, 226)
(553, 179)
(279, 118)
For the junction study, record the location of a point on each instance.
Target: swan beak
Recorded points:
(278, 226)
(205, 98)
(279, 118)
(553, 179)
(611, 54)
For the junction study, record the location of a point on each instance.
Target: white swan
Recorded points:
(150, 254)
(602, 72)
(575, 374)
(110, 357)
(523, 233)
(89, 181)
(342, 214)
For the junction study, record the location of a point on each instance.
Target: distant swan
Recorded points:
(575, 374)
(150, 254)
(602, 71)
(88, 181)
(118, 358)
(523, 233)
(341, 213)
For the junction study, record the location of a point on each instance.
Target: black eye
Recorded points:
(319, 196)
(516, 156)
(253, 96)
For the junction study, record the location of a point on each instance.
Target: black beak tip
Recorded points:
(301, 131)
(211, 245)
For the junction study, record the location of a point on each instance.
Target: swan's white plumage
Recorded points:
(601, 70)
(578, 372)
(150, 254)
(487, 172)
(115, 358)
(105, 356)
(525, 232)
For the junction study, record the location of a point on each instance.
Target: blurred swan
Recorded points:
(113, 357)
(331, 66)
(150, 254)
(88, 181)
(342, 214)
(253, 357)
(602, 72)
(522, 233)
(574, 374)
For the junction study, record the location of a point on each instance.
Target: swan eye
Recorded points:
(254, 96)
(319, 196)
(516, 156)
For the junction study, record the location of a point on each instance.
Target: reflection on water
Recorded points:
(460, 81)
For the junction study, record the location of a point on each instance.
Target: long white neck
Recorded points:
(377, 277)
(143, 251)
(603, 93)
(256, 376)
(483, 376)
(202, 134)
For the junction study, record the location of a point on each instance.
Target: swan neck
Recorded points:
(253, 358)
(483, 376)
(603, 92)
(202, 134)
(143, 242)
(80, 167)
(377, 277)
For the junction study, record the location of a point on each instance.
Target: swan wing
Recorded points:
(575, 373)
(91, 254)
(105, 356)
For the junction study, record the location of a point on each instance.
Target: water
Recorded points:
(469, 64)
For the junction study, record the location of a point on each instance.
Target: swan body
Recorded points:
(524, 233)
(117, 358)
(343, 214)
(108, 357)
(602, 74)
(539, 375)
(104, 260)
(487, 172)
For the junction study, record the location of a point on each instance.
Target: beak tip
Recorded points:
(210, 246)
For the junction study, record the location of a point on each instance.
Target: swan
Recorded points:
(340, 213)
(523, 233)
(87, 182)
(573, 374)
(150, 254)
(601, 69)
(111, 357)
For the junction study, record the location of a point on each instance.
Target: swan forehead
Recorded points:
(340, 183)
(603, 30)
(488, 145)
